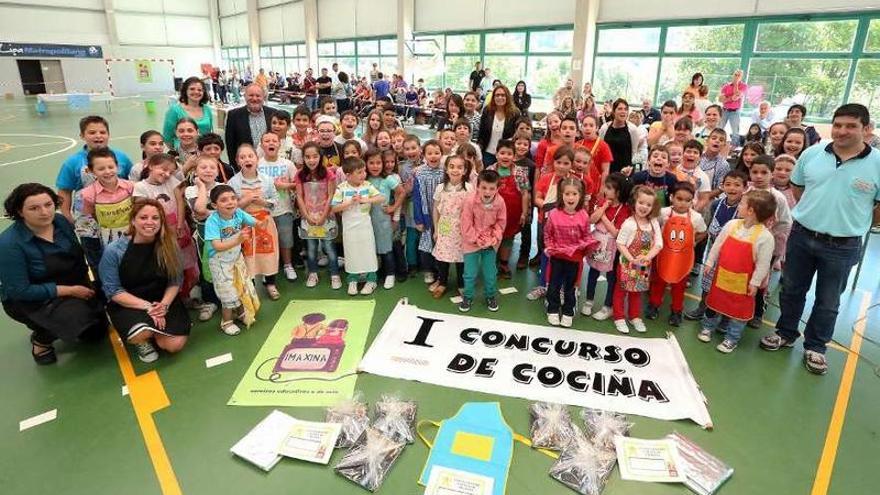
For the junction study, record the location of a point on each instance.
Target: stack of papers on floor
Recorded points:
(260, 445)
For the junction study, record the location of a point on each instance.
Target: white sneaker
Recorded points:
(587, 308)
(368, 289)
(312, 280)
(322, 260)
(206, 311)
(537, 293)
(289, 273)
(389, 282)
(603, 313)
(621, 327)
(639, 325)
(429, 278)
(566, 321)
(335, 282)
(553, 319)
(705, 335)
(352, 288)
(146, 352)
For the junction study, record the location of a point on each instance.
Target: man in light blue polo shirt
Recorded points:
(838, 191)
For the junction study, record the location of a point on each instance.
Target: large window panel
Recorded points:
(368, 47)
(327, 49)
(429, 68)
(458, 70)
(507, 68)
(463, 43)
(866, 86)
(629, 40)
(689, 39)
(546, 74)
(822, 36)
(365, 65)
(344, 48)
(872, 42)
(511, 42)
(676, 73)
(817, 84)
(388, 65)
(628, 77)
(551, 41)
(388, 47)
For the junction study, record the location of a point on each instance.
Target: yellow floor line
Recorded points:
(835, 427)
(147, 396)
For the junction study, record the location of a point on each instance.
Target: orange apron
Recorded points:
(677, 256)
(736, 264)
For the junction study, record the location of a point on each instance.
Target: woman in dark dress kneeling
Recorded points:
(141, 276)
(44, 279)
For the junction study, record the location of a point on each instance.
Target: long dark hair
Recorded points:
(185, 86)
(305, 174)
(15, 201)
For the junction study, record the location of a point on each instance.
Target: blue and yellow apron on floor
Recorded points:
(476, 440)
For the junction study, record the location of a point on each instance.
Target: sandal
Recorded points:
(46, 356)
(433, 286)
(438, 291)
(273, 292)
(229, 327)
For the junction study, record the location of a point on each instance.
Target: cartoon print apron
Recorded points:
(675, 260)
(736, 264)
(261, 249)
(632, 277)
(448, 246)
(602, 258)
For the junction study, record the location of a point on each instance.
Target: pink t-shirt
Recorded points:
(728, 90)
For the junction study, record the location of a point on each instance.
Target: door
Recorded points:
(31, 77)
(53, 76)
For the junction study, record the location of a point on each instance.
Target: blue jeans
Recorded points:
(831, 262)
(731, 116)
(312, 246)
(733, 328)
(311, 102)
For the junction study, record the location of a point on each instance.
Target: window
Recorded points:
(723, 38)
(629, 40)
(278, 51)
(369, 47)
(458, 71)
(628, 77)
(344, 48)
(388, 47)
(506, 42)
(676, 73)
(551, 41)
(824, 36)
(507, 69)
(326, 49)
(872, 42)
(866, 86)
(463, 43)
(545, 74)
(817, 84)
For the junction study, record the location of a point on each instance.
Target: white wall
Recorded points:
(84, 75)
(453, 15)
(187, 61)
(52, 25)
(10, 81)
(641, 10)
(356, 18)
(234, 31)
(282, 24)
(159, 29)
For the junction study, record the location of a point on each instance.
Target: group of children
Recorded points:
(400, 206)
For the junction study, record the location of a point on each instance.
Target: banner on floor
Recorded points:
(310, 358)
(644, 376)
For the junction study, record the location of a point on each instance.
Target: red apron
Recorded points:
(736, 264)
(677, 256)
(512, 196)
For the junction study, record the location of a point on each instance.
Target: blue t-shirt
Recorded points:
(220, 229)
(382, 88)
(74, 174)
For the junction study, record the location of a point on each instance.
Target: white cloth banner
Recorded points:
(644, 376)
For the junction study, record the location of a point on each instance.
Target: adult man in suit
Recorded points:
(247, 124)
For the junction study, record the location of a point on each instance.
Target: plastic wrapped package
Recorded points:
(368, 461)
(396, 418)
(584, 467)
(551, 426)
(353, 416)
(603, 426)
(705, 473)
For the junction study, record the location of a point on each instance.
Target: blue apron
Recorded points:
(477, 440)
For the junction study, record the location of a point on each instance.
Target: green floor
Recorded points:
(771, 416)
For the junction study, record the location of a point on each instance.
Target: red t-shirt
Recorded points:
(617, 214)
(601, 153)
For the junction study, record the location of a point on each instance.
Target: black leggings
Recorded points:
(443, 273)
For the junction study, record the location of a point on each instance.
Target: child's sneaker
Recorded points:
(566, 321)
(389, 282)
(536, 293)
(289, 273)
(465, 305)
(602, 314)
(429, 278)
(230, 328)
(492, 304)
(639, 325)
(335, 282)
(312, 280)
(146, 352)
(323, 261)
(352, 288)
(553, 319)
(368, 289)
(206, 311)
(815, 362)
(726, 346)
(705, 335)
(621, 327)
(652, 312)
(587, 308)
(675, 319)
(754, 323)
